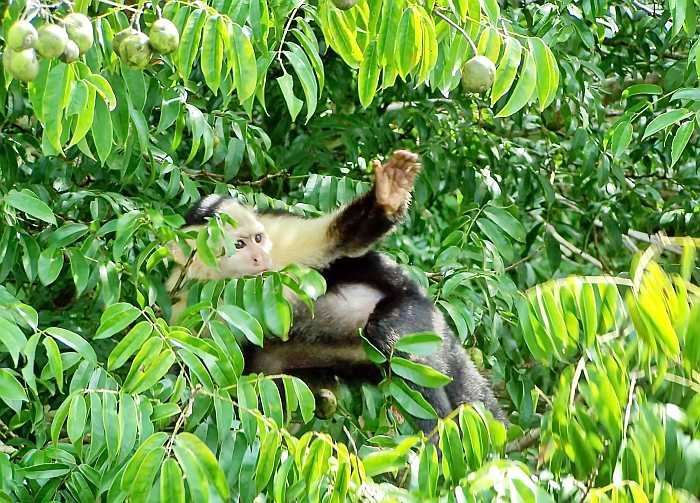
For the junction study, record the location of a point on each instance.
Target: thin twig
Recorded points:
(284, 34)
(523, 442)
(454, 25)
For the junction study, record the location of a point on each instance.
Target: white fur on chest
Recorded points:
(339, 313)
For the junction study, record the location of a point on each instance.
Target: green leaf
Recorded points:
(411, 400)
(373, 353)
(294, 104)
(56, 96)
(80, 270)
(524, 88)
(266, 460)
(155, 371)
(131, 343)
(153, 442)
(621, 139)
(391, 16)
(418, 373)
(77, 418)
(12, 338)
(368, 77)
(271, 401)
(55, 362)
(206, 459)
(383, 461)
(172, 486)
(74, 341)
(115, 319)
(637, 89)
(507, 68)
(680, 140)
(197, 482)
(247, 402)
(665, 120)
(547, 72)
(302, 67)
(189, 42)
(10, 389)
(687, 93)
(506, 222)
(245, 69)
(239, 320)
(85, 118)
(102, 87)
(67, 234)
(340, 31)
(409, 41)
(29, 203)
(141, 485)
(492, 10)
(307, 403)
(102, 135)
(420, 343)
(50, 265)
(212, 53)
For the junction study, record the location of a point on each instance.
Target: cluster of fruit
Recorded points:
(135, 47)
(67, 42)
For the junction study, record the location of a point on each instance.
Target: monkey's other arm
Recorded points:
(353, 229)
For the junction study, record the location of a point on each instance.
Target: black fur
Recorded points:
(200, 212)
(405, 309)
(361, 224)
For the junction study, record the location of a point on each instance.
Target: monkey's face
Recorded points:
(252, 255)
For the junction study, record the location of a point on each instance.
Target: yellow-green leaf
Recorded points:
(524, 89)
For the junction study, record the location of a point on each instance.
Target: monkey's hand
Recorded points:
(394, 180)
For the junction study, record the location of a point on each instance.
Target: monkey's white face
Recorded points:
(252, 255)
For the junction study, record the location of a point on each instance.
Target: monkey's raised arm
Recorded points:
(351, 230)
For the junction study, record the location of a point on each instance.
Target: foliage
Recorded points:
(534, 227)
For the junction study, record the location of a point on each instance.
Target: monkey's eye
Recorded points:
(258, 238)
(240, 244)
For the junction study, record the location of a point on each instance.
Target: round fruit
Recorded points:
(71, 52)
(22, 65)
(51, 41)
(79, 30)
(120, 37)
(22, 35)
(478, 74)
(164, 36)
(344, 4)
(135, 50)
(326, 403)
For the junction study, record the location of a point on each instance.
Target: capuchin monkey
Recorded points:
(365, 289)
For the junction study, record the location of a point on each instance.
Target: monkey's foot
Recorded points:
(394, 180)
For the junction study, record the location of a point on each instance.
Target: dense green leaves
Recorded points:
(524, 229)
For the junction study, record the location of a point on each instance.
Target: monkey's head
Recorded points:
(252, 247)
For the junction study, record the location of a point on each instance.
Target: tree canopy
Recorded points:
(552, 223)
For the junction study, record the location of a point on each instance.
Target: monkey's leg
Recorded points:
(353, 229)
(400, 315)
(397, 316)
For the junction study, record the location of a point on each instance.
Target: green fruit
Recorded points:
(71, 52)
(478, 74)
(120, 37)
(22, 65)
(135, 50)
(344, 4)
(79, 30)
(326, 403)
(163, 36)
(22, 35)
(51, 41)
